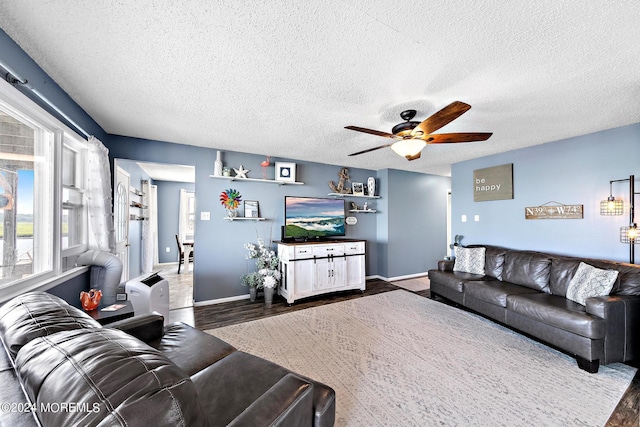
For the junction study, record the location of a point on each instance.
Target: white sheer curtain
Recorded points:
(149, 227)
(101, 231)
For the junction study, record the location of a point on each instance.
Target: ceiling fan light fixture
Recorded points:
(409, 148)
(404, 128)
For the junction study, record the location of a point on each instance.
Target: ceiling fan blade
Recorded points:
(443, 138)
(373, 132)
(441, 118)
(371, 149)
(410, 157)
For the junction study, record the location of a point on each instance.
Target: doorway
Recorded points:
(167, 183)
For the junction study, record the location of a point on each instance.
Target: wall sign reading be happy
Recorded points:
(495, 183)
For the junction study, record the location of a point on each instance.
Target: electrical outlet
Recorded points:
(476, 218)
(167, 249)
(205, 216)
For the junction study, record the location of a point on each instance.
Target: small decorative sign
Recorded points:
(495, 183)
(556, 211)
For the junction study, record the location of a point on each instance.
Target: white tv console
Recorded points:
(315, 268)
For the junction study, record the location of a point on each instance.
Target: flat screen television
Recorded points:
(307, 218)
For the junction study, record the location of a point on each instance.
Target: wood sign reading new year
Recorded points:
(554, 212)
(495, 183)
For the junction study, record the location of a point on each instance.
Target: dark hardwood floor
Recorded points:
(229, 313)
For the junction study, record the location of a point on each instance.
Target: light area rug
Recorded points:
(398, 359)
(415, 285)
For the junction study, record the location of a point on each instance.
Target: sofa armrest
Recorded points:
(288, 403)
(605, 307)
(145, 327)
(622, 316)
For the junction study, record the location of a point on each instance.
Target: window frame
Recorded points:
(25, 109)
(81, 151)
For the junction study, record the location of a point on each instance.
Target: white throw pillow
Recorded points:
(469, 260)
(590, 281)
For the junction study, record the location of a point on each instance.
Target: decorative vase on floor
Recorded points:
(217, 165)
(268, 297)
(253, 291)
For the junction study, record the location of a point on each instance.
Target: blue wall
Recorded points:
(412, 233)
(169, 217)
(570, 171)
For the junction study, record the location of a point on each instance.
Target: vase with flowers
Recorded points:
(253, 280)
(267, 275)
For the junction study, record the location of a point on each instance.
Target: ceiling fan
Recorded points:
(412, 137)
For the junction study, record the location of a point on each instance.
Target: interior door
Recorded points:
(121, 218)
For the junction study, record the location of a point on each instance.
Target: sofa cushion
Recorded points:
(37, 314)
(557, 311)
(494, 262)
(526, 268)
(469, 260)
(560, 274)
(589, 281)
(117, 380)
(628, 282)
(190, 349)
(494, 291)
(563, 268)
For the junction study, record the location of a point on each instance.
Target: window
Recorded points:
(42, 211)
(74, 218)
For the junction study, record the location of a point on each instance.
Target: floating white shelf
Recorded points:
(352, 195)
(242, 218)
(269, 181)
(363, 210)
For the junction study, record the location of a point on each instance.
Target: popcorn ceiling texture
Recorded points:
(283, 77)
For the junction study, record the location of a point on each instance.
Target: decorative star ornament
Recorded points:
(241, 172)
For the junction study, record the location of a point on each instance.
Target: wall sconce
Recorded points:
(613, 206)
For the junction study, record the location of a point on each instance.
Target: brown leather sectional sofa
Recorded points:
(526, 291)
(60, 367)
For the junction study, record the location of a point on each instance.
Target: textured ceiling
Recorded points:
(283, 78)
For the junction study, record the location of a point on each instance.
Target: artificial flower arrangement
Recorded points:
(268, 273)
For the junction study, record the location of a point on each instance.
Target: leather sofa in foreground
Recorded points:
(527, 291)
(61, 368)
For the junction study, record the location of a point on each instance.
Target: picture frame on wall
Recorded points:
(285, 171)
(251, 209)
(357, 188)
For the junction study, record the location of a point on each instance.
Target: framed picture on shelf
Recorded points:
(285, 172)
(251, 209)
(357, 188)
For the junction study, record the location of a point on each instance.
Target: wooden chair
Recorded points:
(181, 254)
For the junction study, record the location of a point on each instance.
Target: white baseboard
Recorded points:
(392, 279)
(220, 300)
